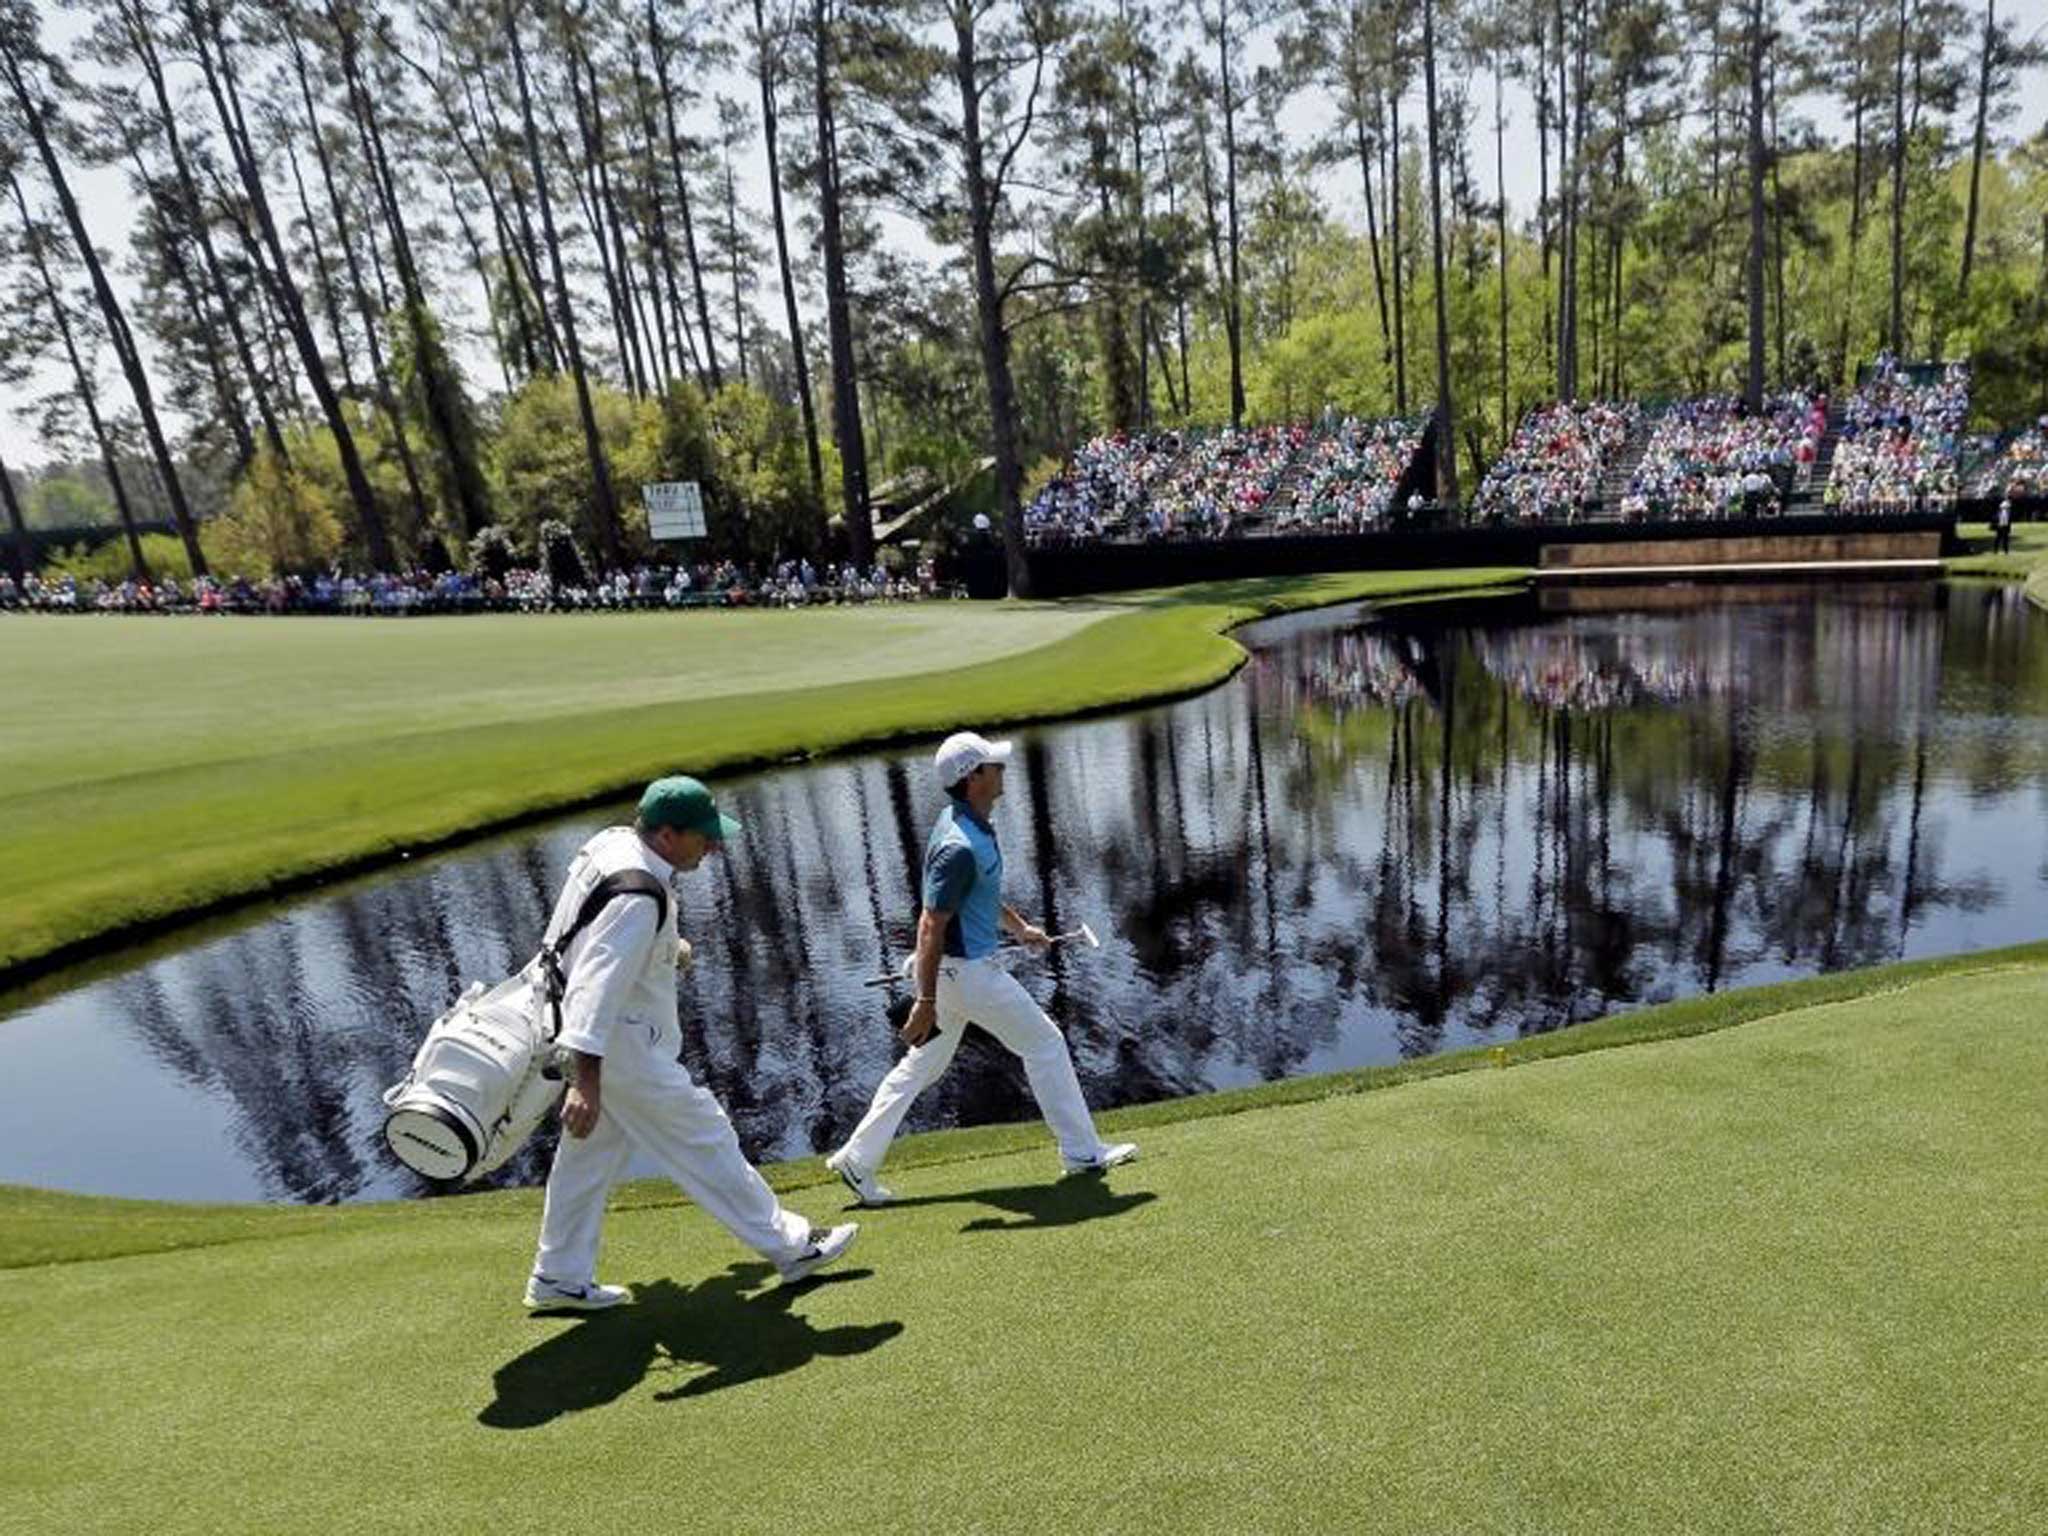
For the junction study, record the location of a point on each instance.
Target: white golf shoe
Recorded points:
(1110, 1155)
(545, 1295)
(867, 1189)
(825, 1247)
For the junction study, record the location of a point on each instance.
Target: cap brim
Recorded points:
(725, 830)
(999, 752)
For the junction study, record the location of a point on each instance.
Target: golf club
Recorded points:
(1083, 935)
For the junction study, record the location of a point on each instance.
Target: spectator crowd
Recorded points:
(1552, 468)
(1349, 475)
(1712, 458)
(1106, 487)
(724, 584)
(1899, 439)
(1163, 485)
(2019, 469)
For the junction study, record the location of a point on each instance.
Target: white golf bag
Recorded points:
(489, 1071)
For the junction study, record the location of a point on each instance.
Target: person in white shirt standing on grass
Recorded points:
(629, 1089)
(959, 982)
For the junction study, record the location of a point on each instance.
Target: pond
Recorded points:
(1393, 833)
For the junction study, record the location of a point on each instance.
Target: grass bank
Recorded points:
(154, 769)
(1778, 1276)
(2028, 555)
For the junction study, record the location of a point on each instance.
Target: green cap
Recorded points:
(680, 801)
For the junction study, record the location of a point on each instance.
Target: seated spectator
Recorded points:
(1899, 442)
(1552, 468)
(1711, 458)
(1348, 476)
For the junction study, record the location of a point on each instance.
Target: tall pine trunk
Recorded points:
(988, 305)
(1841, 373)
(88, 395)
(1134, 96)
(768, 71)
(330, 302)
(216, 65)
(1977, 137)
(732, 245)
(20, 547)
(1233, 310)
(31, 117)
(1777, 233)
(1372, 234)
(168, 220)
(1500, 226)
(371, 314)
(144, 44)
(1447, 436)
(662, 261)
(846, 425)
(1898, 315)
(526, 245)
(1753, 385)
(592, 204)
(682, 185)
(462, 476)
(605, 509)
(1394, 238)
(1544, 211)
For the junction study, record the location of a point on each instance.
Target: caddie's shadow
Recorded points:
(1061, 1203)
(718, 1334)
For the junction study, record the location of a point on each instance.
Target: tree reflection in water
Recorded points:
(1389, 836)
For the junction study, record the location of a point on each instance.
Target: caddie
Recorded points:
(959, 981)
(629, 1089)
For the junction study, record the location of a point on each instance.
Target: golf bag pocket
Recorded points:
(482, 1081)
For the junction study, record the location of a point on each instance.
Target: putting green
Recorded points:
(1785, 1276)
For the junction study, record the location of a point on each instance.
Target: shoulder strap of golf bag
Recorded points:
(554, 981)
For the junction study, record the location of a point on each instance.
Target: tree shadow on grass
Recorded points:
(1064, 1203)
(669, 1330)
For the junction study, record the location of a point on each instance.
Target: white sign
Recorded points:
(675, 510)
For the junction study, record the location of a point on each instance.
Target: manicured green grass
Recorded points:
(225, 758)
(1782, 1276)
(2029, 552)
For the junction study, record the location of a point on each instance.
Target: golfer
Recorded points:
(959, 982)
(629, 1089)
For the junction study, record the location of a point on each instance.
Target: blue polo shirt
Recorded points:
(963, 875)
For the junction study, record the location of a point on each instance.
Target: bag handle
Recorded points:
(554, 981)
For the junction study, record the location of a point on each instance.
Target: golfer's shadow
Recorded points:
(670, 1330)
(1064, 1203)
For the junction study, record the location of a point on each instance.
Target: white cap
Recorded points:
(963, 752)
(981, 520)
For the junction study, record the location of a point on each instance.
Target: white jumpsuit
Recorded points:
(620, 1004)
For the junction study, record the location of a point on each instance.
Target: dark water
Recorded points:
(1390, 835)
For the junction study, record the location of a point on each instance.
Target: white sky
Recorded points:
(108, 204)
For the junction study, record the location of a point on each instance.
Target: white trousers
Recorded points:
(648, 1101)
(982, 992)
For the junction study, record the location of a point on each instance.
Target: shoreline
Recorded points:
(46, 1227)
(1161, 648)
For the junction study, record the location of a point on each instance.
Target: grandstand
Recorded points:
(1899, 440)
(1337, 475)
(1355, 493)
(2012, 465)
(1893, 447)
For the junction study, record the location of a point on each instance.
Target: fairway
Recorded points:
(108, 697)
(1786, 1276)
